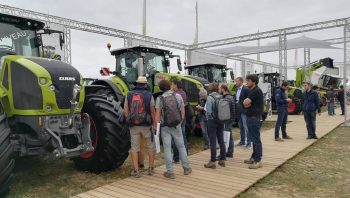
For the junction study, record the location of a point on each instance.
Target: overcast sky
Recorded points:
(175, 20)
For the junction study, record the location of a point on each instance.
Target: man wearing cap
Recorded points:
(139, 111)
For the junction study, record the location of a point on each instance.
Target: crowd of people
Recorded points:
(217, 111)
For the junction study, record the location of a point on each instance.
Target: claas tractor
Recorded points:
(213, 73)
(153, 63)
(321, 74)
(46, 111)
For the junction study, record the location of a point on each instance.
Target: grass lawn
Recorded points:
(322, 170)
(35, 177)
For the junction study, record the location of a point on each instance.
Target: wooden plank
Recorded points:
(221, 182)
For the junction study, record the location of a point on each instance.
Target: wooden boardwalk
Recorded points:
(221, 182)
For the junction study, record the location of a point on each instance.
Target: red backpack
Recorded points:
(138, 112)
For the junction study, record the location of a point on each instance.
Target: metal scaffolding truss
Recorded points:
(346, 68)
(88, 27)
(282, 39)
(275, 33)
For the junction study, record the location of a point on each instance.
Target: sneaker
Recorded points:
(287, 137)
(229, 155)
(255, 165)
(239, 144)
(142, 168)
(210, 164)
(136, 174)
(176, 161)
(169, 175)
(151, 171)
(279, 140)
(249, 161)
(315, 137)
(222, 163)
(187, 171)
(247, 146)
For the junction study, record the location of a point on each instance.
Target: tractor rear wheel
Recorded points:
(294, 107)
(109, 134)
(7, 162)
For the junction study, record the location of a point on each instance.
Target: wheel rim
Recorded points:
(94, 139)
(291, 107)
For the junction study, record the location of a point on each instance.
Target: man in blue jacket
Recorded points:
(310, 104)
(282, 111)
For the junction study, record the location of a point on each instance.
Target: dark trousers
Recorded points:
(282, 119)
(176, 152)
(342, 106)
(254, 125)
(216, 130)
(310, 119)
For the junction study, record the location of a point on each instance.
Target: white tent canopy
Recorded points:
(300, 42)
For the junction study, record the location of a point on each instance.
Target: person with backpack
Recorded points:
(254, 106)
(140, 113)
(215, 126)
(282, 111)
(177, 88)
(170, 113)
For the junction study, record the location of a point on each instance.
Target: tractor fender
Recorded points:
(112, 87)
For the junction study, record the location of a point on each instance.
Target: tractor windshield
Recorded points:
(18, 40)
(127, 64)
(217, 74)
(209, 72)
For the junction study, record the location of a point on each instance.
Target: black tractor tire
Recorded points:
(294, 107)
(7, 162)
(109, 134)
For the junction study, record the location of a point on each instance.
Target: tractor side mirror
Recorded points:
(105, 71)
(179, 64)
(167, 63)
(232, 75)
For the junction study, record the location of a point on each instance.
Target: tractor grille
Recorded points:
(61, 76)
(25, 89)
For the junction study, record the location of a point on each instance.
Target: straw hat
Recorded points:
(142, 80)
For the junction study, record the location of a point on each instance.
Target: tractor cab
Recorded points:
(21, 36)
(209, 71)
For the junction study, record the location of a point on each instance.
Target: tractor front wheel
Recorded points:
(7, 162)
(109, 134)
(294, 107)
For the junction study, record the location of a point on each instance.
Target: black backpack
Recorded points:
(170, 111)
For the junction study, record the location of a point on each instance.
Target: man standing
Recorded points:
(203, 95)
(215, 129)
(177, 88)
(254, 106)
(170, 112)
(340, 98)
(228, 125)
(241, 95)
(139, 111)
(311, 103)
(282, 111)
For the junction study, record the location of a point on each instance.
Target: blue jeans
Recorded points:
(254, 125)
(204, 126)
(168, 134)
(310, 119)
(282, 119)
(230, 149)
(331, 108)
(216, 130)
(244, 129)
(176, 152)
(342, 106)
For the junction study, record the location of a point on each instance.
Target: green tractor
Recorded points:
(213, 73)
(45, 109)
(322, 74)
(153, 63)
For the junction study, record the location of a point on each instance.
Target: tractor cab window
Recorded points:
(154, 62)
(217, 74)
(17, 40)
(200, 72)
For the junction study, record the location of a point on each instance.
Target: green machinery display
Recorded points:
(155, 65)
(45, 109)
(321, 74)
(213, 73)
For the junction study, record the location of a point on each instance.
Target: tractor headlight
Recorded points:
(42, 81)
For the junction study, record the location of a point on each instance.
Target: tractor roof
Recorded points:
(206, 64)
(139, 49)
(21, 21)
